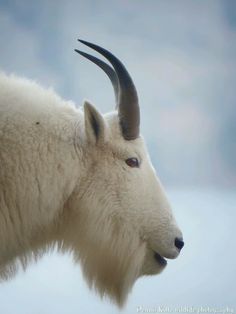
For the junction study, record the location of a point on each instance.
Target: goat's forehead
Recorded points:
(116, 140)
(113, 125)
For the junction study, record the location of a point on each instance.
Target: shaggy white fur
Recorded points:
(64, 183)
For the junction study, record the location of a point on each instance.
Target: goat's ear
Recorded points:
(94, 124)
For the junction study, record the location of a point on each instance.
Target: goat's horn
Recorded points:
(128, 107)
(106, 68)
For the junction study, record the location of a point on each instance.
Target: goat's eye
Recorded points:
(132, 162)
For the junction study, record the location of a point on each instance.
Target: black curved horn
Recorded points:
(127, 104)
(106, 68)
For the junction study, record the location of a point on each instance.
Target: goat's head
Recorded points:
(127, 223)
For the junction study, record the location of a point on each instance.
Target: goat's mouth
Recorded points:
(160, 259)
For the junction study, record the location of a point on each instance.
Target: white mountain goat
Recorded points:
(81, 182)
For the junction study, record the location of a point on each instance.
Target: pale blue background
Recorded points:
(181, 55)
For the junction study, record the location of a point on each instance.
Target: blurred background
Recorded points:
(181, 55)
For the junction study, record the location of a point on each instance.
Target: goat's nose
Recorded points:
(179, 243)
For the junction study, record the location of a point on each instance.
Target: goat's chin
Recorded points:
(153, 263)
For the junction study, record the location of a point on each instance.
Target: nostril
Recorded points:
(179, 243)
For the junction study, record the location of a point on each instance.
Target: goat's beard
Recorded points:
(111, 256)
(111, 273)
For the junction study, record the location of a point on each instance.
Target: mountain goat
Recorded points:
(81, 182)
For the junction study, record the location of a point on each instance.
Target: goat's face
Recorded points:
(124, 194)
(127, 223)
